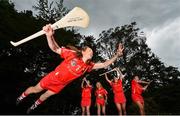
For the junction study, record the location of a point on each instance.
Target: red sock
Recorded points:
(24, 95)
(38, 102)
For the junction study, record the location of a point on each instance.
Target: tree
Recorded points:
(50, 11)
(25, 65)
(139, 59)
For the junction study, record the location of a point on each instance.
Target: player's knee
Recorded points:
(44, 97)
(141, 108)
(124, 109)
(87, 110)
(35, 89)
(49, 94)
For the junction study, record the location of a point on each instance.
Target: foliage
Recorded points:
(138, 59)
(50, 11)
(24, 66)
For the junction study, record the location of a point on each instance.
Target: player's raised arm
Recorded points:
(50, 38)
(107, 79)
(110, 61)
(119, 73)
(143, 82)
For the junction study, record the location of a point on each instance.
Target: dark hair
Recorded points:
(79, 51)
(137, 76)
(99, 83)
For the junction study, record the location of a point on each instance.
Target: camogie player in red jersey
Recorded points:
(101, 98)
(75, 64)
(119, 97)
(86, 97)
(136, 93)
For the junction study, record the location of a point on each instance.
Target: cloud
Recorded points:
(165, 41)
(21, 5)
(105, 14)
(158, 18)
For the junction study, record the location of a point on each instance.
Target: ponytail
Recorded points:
(79, 52)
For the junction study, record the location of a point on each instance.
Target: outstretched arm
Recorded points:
(145, 87)
(143, 82)
(50, 38)
(107, 78)
(110, 61)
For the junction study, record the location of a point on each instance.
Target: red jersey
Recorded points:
(86, 96)
(100, 93)
(118, 92)
(72, 66)
(136, 88)
(117, 87)
(100, 96)
(136, 91)
(86, 92)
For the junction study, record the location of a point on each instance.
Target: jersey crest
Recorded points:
(73, 62)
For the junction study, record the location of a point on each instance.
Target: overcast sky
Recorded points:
(159, 19)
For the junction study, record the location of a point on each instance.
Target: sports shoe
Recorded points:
(34, 106)
(19, 100)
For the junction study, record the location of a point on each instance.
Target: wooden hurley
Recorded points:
(114, 69)
(76, 17)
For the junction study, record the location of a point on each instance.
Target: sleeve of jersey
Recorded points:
(65, 53)
(91, 65)
(105, 92)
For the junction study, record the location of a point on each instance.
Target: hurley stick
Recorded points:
(76, 17)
